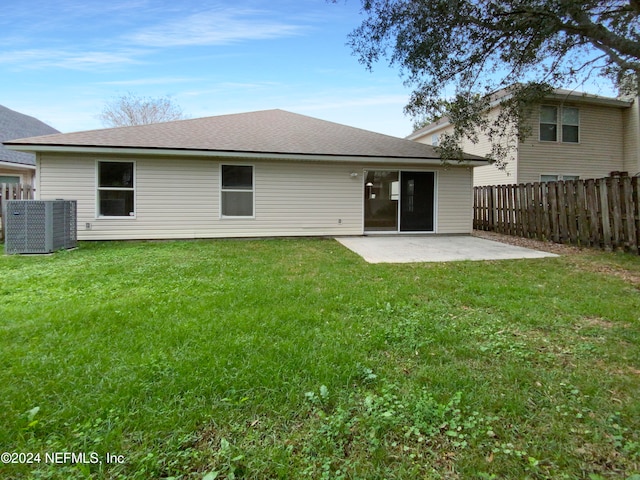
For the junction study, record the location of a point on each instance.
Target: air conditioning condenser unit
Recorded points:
(40, 226)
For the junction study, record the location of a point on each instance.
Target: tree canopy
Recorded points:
(473, 48)
(131, 109)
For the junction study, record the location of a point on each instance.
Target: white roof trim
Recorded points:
(17, 166)
(256, 155)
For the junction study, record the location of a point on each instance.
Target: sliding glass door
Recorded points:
(399, 201)
(381, 194)
(417, 201)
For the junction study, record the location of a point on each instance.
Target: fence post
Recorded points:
(604, 213)
(635, 186)
(572, 211)
(629, 214)
(2, 211)
(491, 209)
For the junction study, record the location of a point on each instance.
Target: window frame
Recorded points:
(224, 189)
(563, 124)
(98, 214)
(560, 177)
(13, 179)
(559, 124)
(540, 123)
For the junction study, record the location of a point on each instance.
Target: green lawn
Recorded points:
(295, 359)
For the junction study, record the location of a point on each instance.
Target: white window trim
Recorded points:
(559, 124)
(540, 122)
(253, 192)
(561, 176)
(98, 189)
(562, 124)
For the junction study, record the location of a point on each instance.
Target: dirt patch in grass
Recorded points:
(627, 275)
(557, 248)
(605, 268)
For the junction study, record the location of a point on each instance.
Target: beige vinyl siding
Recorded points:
(631, 123)
(24, 174)
(599, 151)
(180, 198)
(492, 175)
(486, 174)
(454, 200)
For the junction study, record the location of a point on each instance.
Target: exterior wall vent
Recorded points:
(40, 226)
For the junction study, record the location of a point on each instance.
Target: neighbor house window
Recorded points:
(570, 125)
(557, 122)
(9, 179)
(435, 139)
(237, 191)
(555, 178)
(116, 189)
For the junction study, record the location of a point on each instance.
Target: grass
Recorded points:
(296, 359)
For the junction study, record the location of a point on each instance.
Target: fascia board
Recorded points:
(228, 154)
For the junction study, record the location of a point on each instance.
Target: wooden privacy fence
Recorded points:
(601, 213)
(12, 191)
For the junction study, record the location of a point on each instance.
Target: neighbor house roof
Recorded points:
(17, 125)
(557, 95)
(268, 133)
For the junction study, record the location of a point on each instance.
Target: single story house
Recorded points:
(265, 173)
(19, 167)
(573, 135)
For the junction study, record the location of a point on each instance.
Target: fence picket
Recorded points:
(12, 191)
(629, 214)
(602, 213)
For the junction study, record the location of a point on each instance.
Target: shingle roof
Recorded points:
(17, 125)
(267, 131)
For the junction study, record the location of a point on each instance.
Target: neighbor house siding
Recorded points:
(486, 174)
(599, 151)
(631, 123)
(179, 198)
(25, 174)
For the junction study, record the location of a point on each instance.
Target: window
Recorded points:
(9, 179)
(555, 178)
(116, 190)
(435, 139)
(237, 191)
(570, 124)
(548, 124)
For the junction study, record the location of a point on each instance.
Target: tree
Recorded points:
(475, 48)
(130, 110)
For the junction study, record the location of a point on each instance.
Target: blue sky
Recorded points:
(61, 61)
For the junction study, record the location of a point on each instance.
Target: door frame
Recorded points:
(397, 231)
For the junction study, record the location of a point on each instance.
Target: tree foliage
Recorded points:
(473, 48)
(131, 109)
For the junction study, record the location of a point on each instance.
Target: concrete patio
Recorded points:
(433, 248)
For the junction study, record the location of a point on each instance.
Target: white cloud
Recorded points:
(149, 81)
(215, 27)
(69, 59)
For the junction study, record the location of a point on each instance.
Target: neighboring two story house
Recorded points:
(19, 167)
(573, 135)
